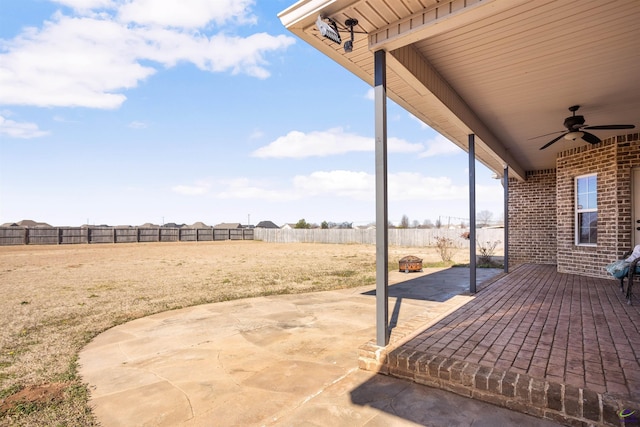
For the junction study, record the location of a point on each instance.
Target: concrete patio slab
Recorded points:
(279, 360)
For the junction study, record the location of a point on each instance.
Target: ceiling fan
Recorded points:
(576, 129)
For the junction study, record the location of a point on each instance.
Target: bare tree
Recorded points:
(404, 222)
(483, 218)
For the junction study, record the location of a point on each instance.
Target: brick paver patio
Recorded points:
(572, 337)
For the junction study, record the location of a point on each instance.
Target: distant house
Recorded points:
(288, 227)
(149, 225)
(266, 224)
(173, 225)
(366, 227)
(198, 224)
(228, 225)
(27, 223)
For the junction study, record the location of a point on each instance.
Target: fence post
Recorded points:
(26, 236)
(59, 233)
(114, 234)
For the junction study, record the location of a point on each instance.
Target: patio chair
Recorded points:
(634, 271)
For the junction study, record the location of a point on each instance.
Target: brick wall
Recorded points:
(599, 159)
(542, 208)
(532, 218)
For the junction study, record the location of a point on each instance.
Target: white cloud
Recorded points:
(89, 60)
(415, 186)
(355, 185)
(243, 188)
(352, 185)
(71, 62)
(185, 13)
(23, 130)
(370, 95)
(361, 186)
(256, 134)
(61, 119)
(440, 146)
(198, 189)
(86, 5)
(236, 188)
(397, 145)
(297, 144)
(138, 125)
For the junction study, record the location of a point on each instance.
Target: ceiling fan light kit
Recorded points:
(572, 136)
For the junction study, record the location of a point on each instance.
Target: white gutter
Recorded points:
(303, 10)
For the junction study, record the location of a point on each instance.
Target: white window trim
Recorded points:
(576, 231)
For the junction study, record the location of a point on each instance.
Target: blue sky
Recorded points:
(134, 111)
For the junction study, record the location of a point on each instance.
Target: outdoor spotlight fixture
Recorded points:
(328, 29)
(350, 23)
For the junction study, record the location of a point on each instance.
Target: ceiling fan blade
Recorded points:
(590, 138)
(552, 141)
(546, 134)
(610, 127)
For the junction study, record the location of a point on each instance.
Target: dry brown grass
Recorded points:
(54, 299)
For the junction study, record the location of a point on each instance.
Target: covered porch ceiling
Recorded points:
(504, 70)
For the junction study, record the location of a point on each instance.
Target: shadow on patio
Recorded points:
(554, 345)
(437, 286)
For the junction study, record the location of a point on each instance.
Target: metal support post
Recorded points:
(472, 214)
(382, 223)
(506, 218)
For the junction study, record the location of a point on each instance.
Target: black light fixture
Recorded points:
(350, 23)
(329, 29)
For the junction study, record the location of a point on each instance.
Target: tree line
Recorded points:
(484, 218)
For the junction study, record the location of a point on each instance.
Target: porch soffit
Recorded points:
(506, 70)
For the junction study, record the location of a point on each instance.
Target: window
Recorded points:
(587, 210)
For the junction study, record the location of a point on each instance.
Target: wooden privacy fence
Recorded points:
(70, 235)
(397, 237)
(407, 237)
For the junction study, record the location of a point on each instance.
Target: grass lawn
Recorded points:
(55, 299)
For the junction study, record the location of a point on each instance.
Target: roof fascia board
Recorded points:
(302, 10)
(416, 71)
(305, 12)
(436, 20)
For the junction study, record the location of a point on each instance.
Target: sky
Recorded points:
(125, 112)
